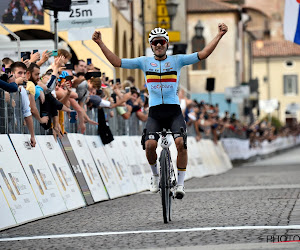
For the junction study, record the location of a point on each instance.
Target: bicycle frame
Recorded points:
(167, 175)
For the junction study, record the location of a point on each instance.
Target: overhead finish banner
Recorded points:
(83, 14)
(17, 201)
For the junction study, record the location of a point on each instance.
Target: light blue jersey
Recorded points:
(162, 77)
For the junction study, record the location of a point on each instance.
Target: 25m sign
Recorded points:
(92, 13)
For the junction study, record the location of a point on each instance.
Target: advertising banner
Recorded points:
(71, 158)
(195, 155)
(21, 12)
(104, 166)
(126, 149)
(92, 13)
(207, 162)
(88, 166)
(16, 193)
(224, 157)
(118, 163)
(6, 218)
(140, 155)
(37, 170)
(61, 171)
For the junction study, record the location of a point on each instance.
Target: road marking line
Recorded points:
(247, 188)
(290, 227)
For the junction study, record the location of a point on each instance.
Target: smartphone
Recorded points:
(73, 116)
(88, 61)
(106, 78)
(127, 89)
(69, 78)
(25, 55)
(142, 96)
(54, 53)
(35, 51)
(69, 66)
(118, 81)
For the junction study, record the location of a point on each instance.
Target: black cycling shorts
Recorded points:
(168, 116)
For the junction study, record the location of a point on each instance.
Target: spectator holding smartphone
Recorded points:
(18, 70)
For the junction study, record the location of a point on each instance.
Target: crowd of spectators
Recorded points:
(75, 89)
(207, 122)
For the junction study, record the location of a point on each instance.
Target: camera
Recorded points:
(4, 77)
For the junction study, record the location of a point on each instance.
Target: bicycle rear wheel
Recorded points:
(165, 185)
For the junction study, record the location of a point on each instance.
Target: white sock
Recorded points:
(181, 175)
(154, 169)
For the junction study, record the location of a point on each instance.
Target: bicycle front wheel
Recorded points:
(165, 186)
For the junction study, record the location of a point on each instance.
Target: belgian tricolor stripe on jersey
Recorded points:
(161, 77)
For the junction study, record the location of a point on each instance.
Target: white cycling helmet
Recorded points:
(158, 32)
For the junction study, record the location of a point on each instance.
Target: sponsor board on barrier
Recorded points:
(140, 155)
(61, 171)
(207, 159)
(104, 166)
(195, 155)
(88, 166)
(71, 158)
(39, 175)
(224, 157)
(238, 149)
(17, 201)
(119, 166)
(6, 218)
(126, 149)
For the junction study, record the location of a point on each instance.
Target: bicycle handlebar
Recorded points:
(164, 133)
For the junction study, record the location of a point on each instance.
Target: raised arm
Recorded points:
(111, 57)
(209, 48)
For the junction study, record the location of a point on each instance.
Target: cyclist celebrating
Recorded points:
(162, 75)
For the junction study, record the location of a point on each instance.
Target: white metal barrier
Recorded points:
(43, 181)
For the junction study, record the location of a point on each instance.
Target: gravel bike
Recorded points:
(167, 181)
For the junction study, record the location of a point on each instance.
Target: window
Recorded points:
(198, 43)
(290, 84)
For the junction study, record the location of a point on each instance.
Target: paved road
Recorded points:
(246, 208)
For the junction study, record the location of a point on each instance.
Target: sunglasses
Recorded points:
(160, 41)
